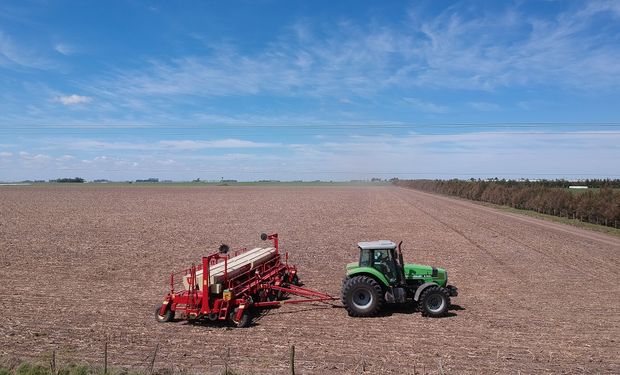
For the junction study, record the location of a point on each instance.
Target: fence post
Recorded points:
(105, 358)
(53, 362)
(227, 360)
(153, 359)
(292, 359)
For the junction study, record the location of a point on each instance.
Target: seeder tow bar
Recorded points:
(227, 287)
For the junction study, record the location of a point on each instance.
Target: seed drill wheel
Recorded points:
(167, 317)
(434, 302)
(362, 296)
(244, 321)
(295, 280)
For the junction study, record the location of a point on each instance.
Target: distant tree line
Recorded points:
(600, 206)
(77, 180)
(150, 180)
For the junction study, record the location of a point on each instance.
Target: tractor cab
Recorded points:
(385, 257)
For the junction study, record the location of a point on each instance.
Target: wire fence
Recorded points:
(221, 364)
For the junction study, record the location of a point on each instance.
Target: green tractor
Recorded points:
(382, 277)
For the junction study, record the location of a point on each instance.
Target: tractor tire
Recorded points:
(245, 320)
(167, 317)
(362, 296)
(434, 302)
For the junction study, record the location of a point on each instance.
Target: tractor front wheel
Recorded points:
(362, 296)
(434, 302)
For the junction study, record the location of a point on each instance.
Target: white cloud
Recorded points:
(171, 145)
(514, 49)
(484, 106)
(222, 143)
(452, 155)
(74, 99)
(30, 160)
(5, 154)
(602, 6)
(445, 50)
(425, 106)
(526, 105)
(505, 154)
(88, 144)
(12, 53)
(64, 49)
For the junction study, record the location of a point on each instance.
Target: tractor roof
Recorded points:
(377, 245)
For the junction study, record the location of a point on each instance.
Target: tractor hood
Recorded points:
(428, 273)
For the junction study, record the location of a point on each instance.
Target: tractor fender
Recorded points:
(421, 289)
(370, 272)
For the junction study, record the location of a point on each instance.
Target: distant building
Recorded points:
(577, 187)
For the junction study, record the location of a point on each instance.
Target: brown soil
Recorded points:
(84, 265)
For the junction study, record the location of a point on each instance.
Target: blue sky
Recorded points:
(309, 90)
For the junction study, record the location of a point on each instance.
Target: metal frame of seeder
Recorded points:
(228, 286)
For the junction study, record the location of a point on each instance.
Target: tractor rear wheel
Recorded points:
(243, 322)
(434, 302)
(167, 317)
(362, 296)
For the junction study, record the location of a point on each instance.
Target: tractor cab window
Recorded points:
(383, 262)
(365, 258)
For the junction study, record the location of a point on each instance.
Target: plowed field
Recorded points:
(84, 265)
